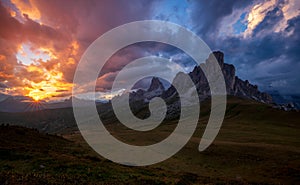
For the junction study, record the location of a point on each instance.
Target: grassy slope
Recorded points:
(256, 145)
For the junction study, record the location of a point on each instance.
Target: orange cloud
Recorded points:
(38, 83)
(62, 30)
(52, 86)
(28, 7)
(41, 78)
(2, 57)
(5, 76)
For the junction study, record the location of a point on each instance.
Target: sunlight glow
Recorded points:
(28, 8)
(52, 86)
(27, 55)
(45, 82)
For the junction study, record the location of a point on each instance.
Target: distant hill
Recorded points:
(62, 120)
(286, 99)
(26, 104)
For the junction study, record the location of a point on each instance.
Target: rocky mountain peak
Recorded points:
(234, 85)
(155, 85)
(219, 57)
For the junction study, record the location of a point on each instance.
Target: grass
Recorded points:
(256, 145)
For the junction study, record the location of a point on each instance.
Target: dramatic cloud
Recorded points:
(41, 41)
(261, 38)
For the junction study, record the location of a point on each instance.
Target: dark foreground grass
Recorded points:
(256, 145)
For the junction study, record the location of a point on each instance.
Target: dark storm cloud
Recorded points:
(207, 15)
(269, 58)
(266, 57)
(294, 39)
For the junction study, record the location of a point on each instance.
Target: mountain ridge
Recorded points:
(234, 85)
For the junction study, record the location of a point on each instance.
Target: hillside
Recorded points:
(29, 157)
(256, 145)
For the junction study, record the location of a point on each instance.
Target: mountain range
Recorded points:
(157, 88)
(234, 85)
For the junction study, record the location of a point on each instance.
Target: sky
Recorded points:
(41, 41)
